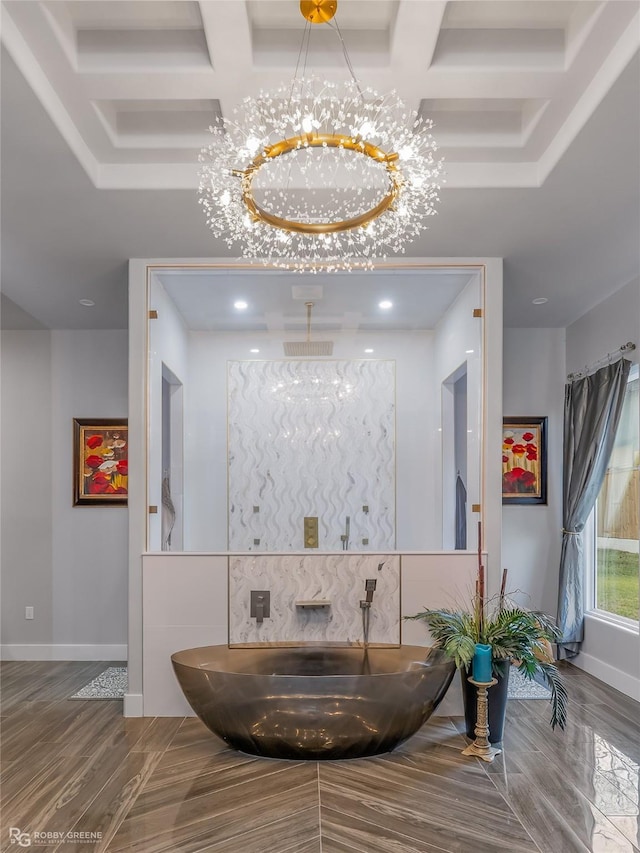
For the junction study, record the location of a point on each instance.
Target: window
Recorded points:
(616, 517)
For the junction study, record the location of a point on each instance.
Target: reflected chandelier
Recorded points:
(317, 176)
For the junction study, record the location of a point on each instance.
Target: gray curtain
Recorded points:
(592, 408)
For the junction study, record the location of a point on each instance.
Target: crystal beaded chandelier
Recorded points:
(317, 176)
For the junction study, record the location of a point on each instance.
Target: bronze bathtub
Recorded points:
(313, 702)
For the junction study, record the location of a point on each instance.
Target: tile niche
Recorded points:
(337, 579)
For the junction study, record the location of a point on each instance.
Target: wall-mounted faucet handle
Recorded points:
(260, 604)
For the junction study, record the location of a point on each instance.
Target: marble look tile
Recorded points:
(157, 736)
(83, 733)
(51, 725)
(584, 776)
(338, 578)
(584, 734)
(627, 781)
(84, 765)
(587, 690)
(18, 775)
(297, 833)
(195, 595)
(107, 810)
(342, 833)
(182, 775)
(162, 694)
(210, 781)
(629, 827)
(283, 419)
(193, 731)
(544, 822)
(430, 814)
(198, 825)
(545, 788)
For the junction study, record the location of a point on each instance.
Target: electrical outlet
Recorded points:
(28, 613)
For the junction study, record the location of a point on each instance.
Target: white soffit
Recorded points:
(133, 86)
(349, 301)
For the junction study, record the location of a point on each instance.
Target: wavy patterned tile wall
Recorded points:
(311, 438)
(338, 578)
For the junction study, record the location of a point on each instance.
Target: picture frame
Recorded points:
(100, 462)
(524, 460)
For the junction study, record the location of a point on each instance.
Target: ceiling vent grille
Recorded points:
(307, 291)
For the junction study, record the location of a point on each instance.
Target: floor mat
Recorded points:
(110, 684)
(521, 687)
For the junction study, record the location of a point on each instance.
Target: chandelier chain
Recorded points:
(307, 27)
(347, 58)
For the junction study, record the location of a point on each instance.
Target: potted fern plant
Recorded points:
(515, 635)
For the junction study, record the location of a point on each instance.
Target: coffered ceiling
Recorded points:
(105, 106)
(133, 86)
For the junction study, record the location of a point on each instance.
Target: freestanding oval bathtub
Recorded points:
(313, 702)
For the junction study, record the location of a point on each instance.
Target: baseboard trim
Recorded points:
(133, 705)
(63, 652)
(616, 678)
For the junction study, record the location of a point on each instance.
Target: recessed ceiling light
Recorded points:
(468, 351)
(369, 350)
(88, 303)
(385, 304)
(540, 300)
(240, 304)
(254, 350)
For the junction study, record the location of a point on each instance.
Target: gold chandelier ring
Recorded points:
(298, 143)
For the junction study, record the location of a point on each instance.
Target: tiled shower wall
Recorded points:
(311, 439)
(336, 578)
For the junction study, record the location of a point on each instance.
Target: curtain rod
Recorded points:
(607, 359)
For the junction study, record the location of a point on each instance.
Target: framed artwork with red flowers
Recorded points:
(100, 462)
(524, 460)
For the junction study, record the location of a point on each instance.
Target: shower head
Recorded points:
(308, 348)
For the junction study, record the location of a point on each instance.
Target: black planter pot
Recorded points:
(497, 704)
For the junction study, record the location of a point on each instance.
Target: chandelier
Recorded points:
(320, 176)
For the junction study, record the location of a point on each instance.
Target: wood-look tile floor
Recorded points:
(167, 785)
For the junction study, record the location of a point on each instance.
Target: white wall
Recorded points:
(27, 452)
(610, 652)
(613, 322)
(458, 345)
(89, 380)
(206, 417)
(533, 384)
(167, 346)
(69, 562)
